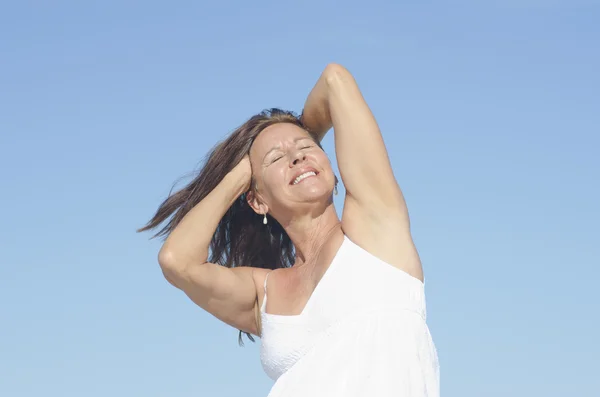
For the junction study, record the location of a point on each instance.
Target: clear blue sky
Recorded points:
(490, 111)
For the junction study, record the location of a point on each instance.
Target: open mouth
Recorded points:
(303, 176)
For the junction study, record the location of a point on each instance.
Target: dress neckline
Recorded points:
(319, 286)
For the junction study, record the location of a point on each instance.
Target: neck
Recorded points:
(311, 231)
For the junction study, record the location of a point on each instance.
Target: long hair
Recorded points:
(241, 238)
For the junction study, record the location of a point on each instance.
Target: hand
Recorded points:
(243, 171)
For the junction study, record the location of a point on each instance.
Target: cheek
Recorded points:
(323, 160)
(273, 177)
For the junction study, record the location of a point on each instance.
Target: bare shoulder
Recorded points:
(248, 321)
(259, 276)
(256, 273)
(385, 233)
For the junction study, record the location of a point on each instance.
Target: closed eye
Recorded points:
(280, 157)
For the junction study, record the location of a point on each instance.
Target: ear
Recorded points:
(256, 203)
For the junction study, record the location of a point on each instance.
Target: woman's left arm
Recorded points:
(374, 210)
(362, 157)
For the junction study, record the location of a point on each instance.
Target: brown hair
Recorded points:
(241, 238)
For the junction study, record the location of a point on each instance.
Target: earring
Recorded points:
(335, 189)
(265, 219)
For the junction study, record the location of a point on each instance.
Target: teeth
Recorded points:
(305, 175)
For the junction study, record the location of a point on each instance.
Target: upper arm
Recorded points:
(228, 294)
(375, 213)
(361, 153)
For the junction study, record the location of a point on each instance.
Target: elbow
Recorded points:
(335, 73)
(169, 263)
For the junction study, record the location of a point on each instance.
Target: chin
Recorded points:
(314, 194)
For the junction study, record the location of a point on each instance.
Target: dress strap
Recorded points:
(265, 286)
(266, 278)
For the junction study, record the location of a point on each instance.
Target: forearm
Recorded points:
(316, 115)
(188, 243)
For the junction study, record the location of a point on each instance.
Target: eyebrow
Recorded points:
(279, 147)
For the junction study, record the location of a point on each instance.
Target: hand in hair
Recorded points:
(244, 169)
(217, 249)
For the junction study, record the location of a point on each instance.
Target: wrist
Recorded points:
(318, 125)
(240, 177)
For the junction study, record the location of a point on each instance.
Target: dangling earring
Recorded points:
(335, 189)
(265, 219)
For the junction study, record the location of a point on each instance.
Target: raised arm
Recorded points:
(375, 211)
(228, 294)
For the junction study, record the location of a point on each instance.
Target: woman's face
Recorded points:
(289, 168)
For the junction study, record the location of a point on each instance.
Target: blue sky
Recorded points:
(490, 113)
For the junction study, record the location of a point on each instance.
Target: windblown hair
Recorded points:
(241, 238)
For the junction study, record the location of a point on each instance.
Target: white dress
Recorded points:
(362, 334)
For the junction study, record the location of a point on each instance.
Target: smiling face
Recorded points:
(289, 169)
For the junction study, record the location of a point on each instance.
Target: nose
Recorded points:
(297, 157)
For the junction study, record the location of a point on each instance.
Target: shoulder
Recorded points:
(259, 277)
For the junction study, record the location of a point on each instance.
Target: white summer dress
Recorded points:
(372, 343)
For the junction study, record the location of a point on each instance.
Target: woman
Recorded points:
(339, 304)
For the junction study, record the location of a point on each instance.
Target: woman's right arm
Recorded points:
(227, 293)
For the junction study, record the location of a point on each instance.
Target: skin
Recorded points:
(279, 154)
(375, 215)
